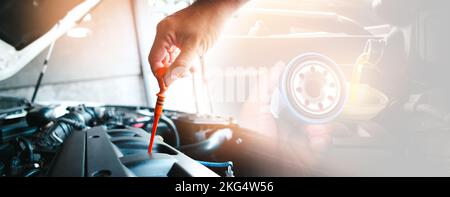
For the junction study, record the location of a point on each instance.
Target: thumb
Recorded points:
(181, 66)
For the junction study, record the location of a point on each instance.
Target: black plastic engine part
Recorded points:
(141, 117)
(7, 104)
(99, 152)
(78, 118)
(40, 115)
(11, 129)
(2, 168)
(209, 145)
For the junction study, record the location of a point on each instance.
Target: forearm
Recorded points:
(223, 7)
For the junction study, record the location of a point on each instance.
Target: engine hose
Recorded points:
(75, 123)
(32, 173)
(216, 164)
(228, 165)
(209, 145)
(77, 118)
(28, 148)
(173, 128)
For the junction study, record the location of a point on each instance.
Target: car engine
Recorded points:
(107, 141)
(320, 94)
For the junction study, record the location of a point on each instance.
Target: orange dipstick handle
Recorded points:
(159, 104)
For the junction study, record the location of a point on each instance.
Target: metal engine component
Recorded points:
(313, 89)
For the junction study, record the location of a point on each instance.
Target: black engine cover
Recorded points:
(99, 152)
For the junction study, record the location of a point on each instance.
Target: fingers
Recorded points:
(182, 64)
(167, 51)
(159, 52)
(173, 54)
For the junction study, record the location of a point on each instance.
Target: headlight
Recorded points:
(312, 89)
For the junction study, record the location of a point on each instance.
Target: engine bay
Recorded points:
(109, 141)
(339, 99)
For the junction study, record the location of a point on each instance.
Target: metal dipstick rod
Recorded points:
(44, 69)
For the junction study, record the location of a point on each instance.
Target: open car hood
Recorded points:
(27, 27)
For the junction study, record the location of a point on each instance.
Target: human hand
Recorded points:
(188, 34)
